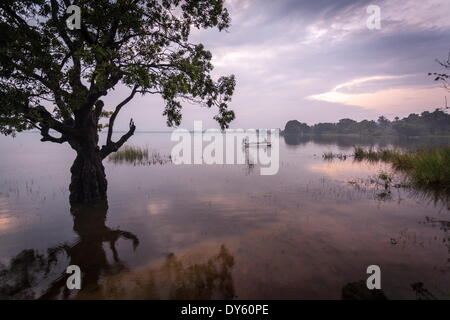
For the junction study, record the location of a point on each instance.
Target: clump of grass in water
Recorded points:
(129, 154)
(426, 167)
(430, 167)
(330, 156)
(387, 179)
(369, 154)
(359, 153)
(138, 155)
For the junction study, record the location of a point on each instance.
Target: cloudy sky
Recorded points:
(316, 61)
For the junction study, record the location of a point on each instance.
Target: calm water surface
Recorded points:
(216, 231)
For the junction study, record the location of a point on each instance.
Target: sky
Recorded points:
(317, 61)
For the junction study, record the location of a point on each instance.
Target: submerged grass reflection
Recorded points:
(173, 278)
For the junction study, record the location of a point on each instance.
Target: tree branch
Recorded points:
(60, 27)
(47, 137)
(40, 115)
(116, 112)
(114, 146)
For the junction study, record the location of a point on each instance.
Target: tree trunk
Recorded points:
(88, 183)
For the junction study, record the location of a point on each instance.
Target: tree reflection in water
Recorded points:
(88, 252)
(34, 275)
(29, 270)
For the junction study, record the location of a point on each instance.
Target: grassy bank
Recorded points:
(426, 167)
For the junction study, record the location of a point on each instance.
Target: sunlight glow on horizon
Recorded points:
(383, 99)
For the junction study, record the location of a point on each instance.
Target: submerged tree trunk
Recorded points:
(88, 183)
(88, 251)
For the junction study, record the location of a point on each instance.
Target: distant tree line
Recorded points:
(427, 123)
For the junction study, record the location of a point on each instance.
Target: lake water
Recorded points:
(218, 231)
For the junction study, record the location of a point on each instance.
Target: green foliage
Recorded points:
(142, 44)
(431, 167)
(358, 153)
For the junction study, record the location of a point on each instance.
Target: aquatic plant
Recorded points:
(138, 156)
(330, 156)
(130, 154)
(424, 167)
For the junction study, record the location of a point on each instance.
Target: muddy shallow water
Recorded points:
(217, 231)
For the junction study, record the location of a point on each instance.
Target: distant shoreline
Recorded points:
(357, 135)
(282, 133)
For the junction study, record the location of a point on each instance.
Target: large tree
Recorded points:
(53, 78)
